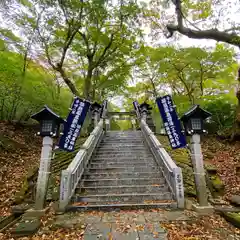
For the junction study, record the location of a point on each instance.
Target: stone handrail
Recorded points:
(71, 176)
(171, 172)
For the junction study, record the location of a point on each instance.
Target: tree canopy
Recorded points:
(52, 50)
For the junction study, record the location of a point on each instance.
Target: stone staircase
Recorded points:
(122, 173)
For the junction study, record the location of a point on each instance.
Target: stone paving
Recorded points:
(141, 225)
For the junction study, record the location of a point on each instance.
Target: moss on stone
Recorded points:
(211, 169)
(20, 195)
(9, 144)
(61, 161)
(233, 218)
(217, 183)
(182, 159)
(190, 191)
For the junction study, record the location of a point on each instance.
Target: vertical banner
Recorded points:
(103, 109)
(74, 124)
(136, 107)
(171, 122)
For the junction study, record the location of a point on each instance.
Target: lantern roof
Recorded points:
(196, 112)
(48, 114)
(95, 105)
(144, 104)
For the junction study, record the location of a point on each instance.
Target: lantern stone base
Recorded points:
(35, 213)
(203, 210)
(26, 227)
(29, 223)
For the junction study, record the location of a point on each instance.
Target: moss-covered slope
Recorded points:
(182, 159)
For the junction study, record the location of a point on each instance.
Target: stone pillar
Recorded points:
(144, 113)
(95, 117)
(145, 110)
(107, 124)
(44, 172)
(150, 123)
(133, 121)
(199, 173)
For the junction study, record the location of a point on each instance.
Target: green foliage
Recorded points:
(89, 43)
(223, 111)
(125, 125)
(191, 76)
(115, 125)
(97, 47)
(23, 93)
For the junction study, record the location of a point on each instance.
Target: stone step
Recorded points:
(127, 147)
(127, 161)
(111, 154)
(125, 133)
(122, 141)
(161, 204)
(124, 169)
(117, 143)
(124, 150)
(122, 159)
(125, 164)
(120, 198)
(124, 138)
(157, 188)
(109, 157)
(117, 175)
(122, 181)
(122, 146)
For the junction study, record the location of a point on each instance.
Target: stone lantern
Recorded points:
(145, 111)
(49, 127)
(193, 121)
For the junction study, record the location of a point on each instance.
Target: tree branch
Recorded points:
(222, 36)
(108, 46)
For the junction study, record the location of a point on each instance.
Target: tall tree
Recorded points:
(82, 38)
(206, 19)
(186, 71)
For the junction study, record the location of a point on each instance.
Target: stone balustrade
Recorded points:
(172, 173)
(71, 176)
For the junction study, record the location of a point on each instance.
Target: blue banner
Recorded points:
(171, 122)
(72, 127)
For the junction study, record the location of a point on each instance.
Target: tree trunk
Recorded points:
(236, 126)
(93, 97)
(154, 88)
(68, 81)
(88, 84)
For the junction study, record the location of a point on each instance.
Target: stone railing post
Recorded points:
(133, 121)
(44, 172)
(65, 188)
(199, 173)
(107, 124)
